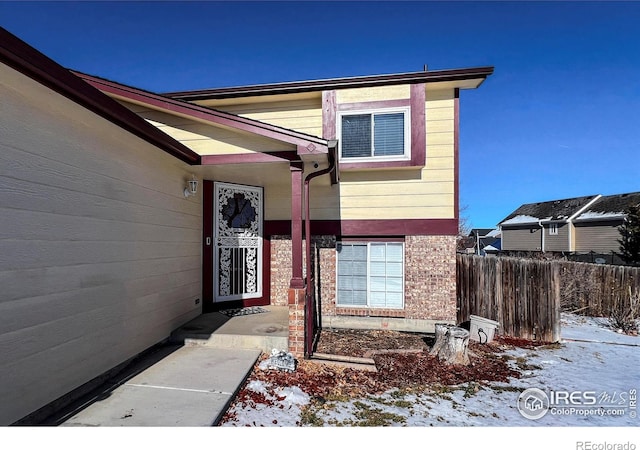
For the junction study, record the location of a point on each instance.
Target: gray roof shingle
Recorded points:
(610, 206)
(552, 210)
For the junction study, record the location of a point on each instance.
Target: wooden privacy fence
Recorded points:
(522, 295)
(526, 296)
(597, 289)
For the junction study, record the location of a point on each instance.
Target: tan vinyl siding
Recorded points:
(522, 238)
(557, 242)
(599, 237)
(277, 198)
(207, 139)
(100, 251)
(419, 193)
(303, 115)
(373, 94)
(380, 195)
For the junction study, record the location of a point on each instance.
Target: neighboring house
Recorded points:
(596, 228)
(485, 239)
(104, 251)
(575, 225)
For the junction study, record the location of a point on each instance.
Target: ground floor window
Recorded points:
(371, 274)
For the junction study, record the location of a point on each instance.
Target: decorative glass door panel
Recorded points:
(238, 242)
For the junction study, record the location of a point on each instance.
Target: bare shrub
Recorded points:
(626, 310)
(577, 284)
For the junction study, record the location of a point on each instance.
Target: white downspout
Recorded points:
(542, 231)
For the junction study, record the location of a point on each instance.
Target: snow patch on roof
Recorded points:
(522, 219)
(591, 215)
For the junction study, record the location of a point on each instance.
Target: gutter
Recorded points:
(308, 311)
(542, 238)
(293, 87)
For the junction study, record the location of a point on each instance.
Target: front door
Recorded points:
(237, 240)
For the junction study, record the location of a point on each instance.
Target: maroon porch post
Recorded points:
(297, 291)
(207, 245)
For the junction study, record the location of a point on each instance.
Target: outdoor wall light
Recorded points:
(192, 187)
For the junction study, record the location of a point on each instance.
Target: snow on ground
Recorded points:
(597, 364)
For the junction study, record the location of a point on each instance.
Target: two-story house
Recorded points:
(336, 194)
(586, 224)
(366, 168)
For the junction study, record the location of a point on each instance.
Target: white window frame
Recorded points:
(368, 305)
(553, 229)
(405, 110)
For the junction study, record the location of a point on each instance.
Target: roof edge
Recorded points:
(179, 106)
(293, 87)
(25, 59)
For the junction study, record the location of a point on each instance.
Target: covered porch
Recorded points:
(276, 274)
(265, 167)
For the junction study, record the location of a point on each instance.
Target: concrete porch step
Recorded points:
(240, 341)
(264, 331)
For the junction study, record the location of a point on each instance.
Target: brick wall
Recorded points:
(323, 250)
(430, 278)
(280, 269)
(296, 321)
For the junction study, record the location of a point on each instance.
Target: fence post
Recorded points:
(556, 331)
(498, 304)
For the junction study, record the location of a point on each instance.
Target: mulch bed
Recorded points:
(414, 369)
(408, 370)
(360, 342)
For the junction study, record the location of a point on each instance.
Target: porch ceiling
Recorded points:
(252, 174)
(261, 174)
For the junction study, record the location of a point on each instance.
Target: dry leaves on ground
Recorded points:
(412, 370)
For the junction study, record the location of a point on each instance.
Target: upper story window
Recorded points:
(375, 135)
(553, 228)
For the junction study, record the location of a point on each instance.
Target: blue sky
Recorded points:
(559, 118)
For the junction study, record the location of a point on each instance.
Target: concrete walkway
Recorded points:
(189, 387)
